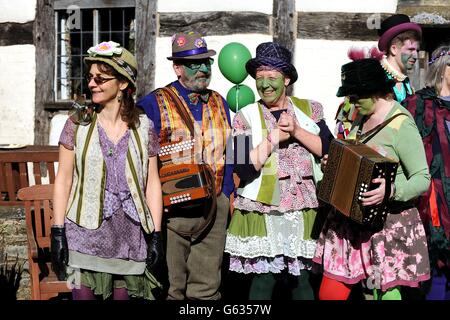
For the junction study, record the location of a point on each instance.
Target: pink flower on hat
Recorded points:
(105, 49)
(181, 41)
(199, 43)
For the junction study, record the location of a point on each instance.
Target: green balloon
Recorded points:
(232, 60)
(239, 96)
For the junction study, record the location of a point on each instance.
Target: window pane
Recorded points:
(72, 44)
(76, 76)
(87, 19)
(87, 42)
(116, 37)
(104, 21)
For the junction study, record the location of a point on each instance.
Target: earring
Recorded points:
(119, 98)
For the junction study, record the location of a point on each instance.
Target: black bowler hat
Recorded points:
(274, 55)
(393, 26)
(364, 78)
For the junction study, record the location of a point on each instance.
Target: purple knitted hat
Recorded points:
(272, 54)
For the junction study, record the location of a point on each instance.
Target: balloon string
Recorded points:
(237, 98)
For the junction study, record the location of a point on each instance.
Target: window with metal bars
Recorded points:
(73, 41)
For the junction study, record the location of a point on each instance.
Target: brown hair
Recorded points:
(436, 69)
(128, 111)
(402, 37)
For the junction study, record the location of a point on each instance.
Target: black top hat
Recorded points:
(272, 54)
(394, 25)
(364, 78)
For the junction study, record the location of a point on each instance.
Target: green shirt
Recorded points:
(400, 140)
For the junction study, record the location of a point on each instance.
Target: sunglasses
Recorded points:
(196, 65)
(98, 80)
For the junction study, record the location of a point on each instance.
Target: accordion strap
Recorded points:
(363, 138)
(184, 114)
(211, 214)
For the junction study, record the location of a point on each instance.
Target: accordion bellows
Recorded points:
(350, 169)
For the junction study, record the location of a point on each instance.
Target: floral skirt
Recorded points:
(270, 242)
(396, 255)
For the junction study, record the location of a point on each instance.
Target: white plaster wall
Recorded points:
(264, 6)
(165, 74)
(385, 6)
(17, 94)
(318, 63)
(20, 11)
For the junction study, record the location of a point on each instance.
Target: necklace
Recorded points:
(398, 76)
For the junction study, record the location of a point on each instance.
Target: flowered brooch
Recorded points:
(199, 43)
(105, 49)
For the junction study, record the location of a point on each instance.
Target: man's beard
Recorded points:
(198, 83)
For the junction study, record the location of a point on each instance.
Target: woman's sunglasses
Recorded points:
(98, 80)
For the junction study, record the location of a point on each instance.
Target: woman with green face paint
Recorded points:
(397, 254)
(278, 140)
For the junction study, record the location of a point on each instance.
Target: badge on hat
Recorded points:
(105, 49)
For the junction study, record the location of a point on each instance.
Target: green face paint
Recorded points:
(366, 106)
(270, 88)
(408, 60)
(196, 75)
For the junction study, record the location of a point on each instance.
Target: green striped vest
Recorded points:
(87, 194)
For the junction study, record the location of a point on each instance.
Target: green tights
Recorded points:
(263, 284)
(391, 294)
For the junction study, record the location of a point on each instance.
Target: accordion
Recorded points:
(350, 169)
(182, 179)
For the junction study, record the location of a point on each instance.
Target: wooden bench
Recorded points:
(15, 174)
(38, 215)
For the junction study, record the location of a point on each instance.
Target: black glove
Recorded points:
(59, 252)
(155, 251)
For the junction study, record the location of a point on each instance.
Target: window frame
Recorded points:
(67, 79)
(146, 25)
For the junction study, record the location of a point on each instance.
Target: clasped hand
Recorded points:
(286, 127)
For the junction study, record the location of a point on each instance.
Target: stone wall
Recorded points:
(13, 245)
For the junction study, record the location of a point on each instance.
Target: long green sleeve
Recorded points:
(414, 177)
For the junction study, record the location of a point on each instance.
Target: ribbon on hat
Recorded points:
(128, 69)
(192, 52)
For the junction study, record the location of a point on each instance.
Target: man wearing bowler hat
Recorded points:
(399, 41)
(195, 229)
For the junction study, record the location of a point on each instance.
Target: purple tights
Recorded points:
(85, 293)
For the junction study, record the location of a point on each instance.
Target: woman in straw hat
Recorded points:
(107, 198)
